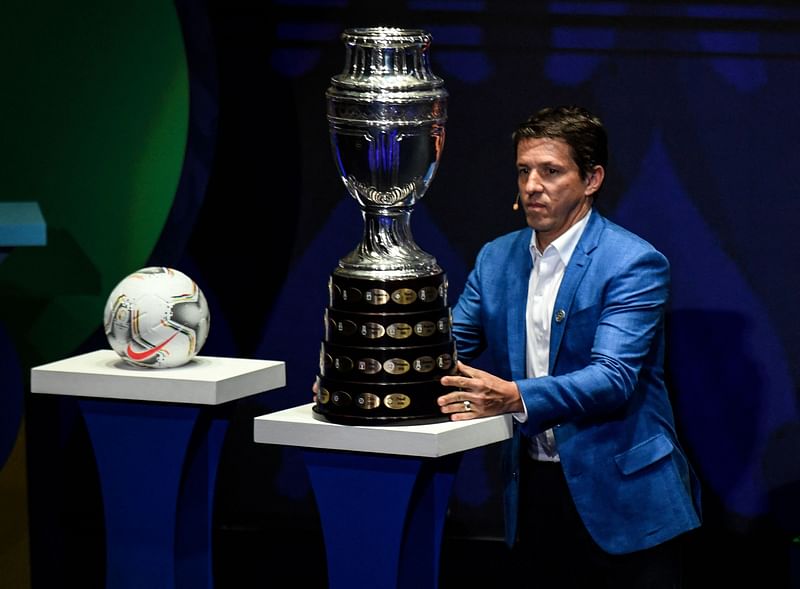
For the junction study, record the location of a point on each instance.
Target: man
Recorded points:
(598, 490)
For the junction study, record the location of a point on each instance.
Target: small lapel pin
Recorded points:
(560, 315)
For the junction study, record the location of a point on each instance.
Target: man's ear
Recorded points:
(595, 179)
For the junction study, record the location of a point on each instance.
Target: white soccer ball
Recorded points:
(157, 317)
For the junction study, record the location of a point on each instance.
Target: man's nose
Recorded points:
(533, 183)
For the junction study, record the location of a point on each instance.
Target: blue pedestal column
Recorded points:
(382, 516)
(157, 467)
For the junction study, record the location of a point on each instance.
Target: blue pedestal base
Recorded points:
(382, 516)
(157, 467)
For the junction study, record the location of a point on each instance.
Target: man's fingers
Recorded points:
(464, 369)
(449, 399)
(454, 381)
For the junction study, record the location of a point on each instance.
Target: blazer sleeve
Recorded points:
(467, 325)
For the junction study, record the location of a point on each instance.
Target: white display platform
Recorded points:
(205, 380)
(298, 426)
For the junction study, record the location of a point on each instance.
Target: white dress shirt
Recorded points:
(543, 284)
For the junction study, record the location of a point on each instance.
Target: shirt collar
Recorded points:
(565, 244)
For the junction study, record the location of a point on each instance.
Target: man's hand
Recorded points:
(481, 394)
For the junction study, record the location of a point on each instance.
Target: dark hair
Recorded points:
(580, 129)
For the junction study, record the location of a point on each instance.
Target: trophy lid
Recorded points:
(380, 59)
(386, 36)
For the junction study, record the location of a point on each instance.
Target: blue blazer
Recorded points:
(605, 397)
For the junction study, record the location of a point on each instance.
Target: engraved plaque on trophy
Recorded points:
(387, 332)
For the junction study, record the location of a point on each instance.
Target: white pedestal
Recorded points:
(157, 435)
(299, 427)
(382, 491)
(205, 380)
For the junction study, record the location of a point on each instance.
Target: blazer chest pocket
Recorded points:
(578, 329)
(644, 454)
(582, 317)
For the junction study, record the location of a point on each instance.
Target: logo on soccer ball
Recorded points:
(157, 317)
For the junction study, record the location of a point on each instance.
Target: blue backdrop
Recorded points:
(700, 101)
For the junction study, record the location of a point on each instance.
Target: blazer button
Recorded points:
(560, 315)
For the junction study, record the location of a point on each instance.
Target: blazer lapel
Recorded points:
(519, 272)
(578, 264)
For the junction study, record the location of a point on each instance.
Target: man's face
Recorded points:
(550, 185)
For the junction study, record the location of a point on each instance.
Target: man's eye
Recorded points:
(523, 171)
(552, 171)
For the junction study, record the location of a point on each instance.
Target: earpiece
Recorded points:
(516, 203)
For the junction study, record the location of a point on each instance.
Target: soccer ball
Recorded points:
(157, 317)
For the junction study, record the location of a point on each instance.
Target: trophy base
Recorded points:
(377, 403)
(375, 421)
(387, 345)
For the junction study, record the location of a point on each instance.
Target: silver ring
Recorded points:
(467, 406)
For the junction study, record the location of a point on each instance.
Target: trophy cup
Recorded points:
(387, 327)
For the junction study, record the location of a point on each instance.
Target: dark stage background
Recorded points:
(194, 135)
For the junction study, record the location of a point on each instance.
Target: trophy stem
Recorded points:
(387, 249)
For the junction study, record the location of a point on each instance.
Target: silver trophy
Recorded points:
(387, 327)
